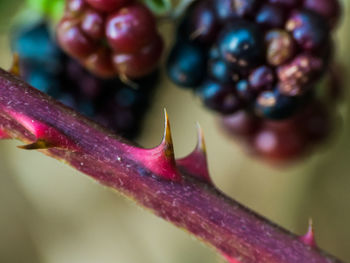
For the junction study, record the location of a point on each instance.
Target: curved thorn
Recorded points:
(161, 159)
(195, 164)
(309, 237)
(38, 145)
(167, 142)
(201, 146)
(15, 68)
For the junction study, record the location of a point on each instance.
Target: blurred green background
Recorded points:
(53, 214)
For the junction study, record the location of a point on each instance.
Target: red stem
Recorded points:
(188, 201)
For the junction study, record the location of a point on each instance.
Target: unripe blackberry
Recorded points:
(111, 102)
(111, 37)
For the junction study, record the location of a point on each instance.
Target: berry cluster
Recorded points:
(263, 57)
(110, 102)
(286, 140)
(111, 37)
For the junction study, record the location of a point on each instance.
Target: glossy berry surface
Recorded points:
(241, 45)
(274, 105)
(309, 29)
(271, 16)
(326, 8)
(111, 37)
(202, 24)
(111, 102)
(186, 64)
(218, 97)
(130, 28)
(228, 9)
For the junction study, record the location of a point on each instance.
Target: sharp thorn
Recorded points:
(167, 142)
(38, 145)
(309, 237)
(15, 68)
(195, 164)
(161, 159)
(201, 146)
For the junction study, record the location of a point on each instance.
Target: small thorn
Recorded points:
(38, 145)
(161, 159)
(46, 135)
(230, 259)
(201, 146)
(195, 164)
(309, 237)
(15, 68)
(167, 142)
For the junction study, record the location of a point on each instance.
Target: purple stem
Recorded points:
(185, 199)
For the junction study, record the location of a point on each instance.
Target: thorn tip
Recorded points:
(15, 68)
(37, 145)
(167, 139)
(309, 237)
(201, 146)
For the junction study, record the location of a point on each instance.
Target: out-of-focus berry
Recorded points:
(274, 105)
(242, 45)
(219, 97)
(309, 29)
(279, 47)
(271, 16)
(187, 64)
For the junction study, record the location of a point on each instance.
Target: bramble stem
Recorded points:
(190, 203)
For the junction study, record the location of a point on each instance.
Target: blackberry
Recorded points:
(186, 64)
(111, 37)
(261, 59)
(280, 46)
(282, 141)
(111, 102)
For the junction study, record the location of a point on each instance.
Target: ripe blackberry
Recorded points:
(111, 102)
(111, 37)
(258, 63)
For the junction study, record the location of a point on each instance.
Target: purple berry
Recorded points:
(309, 29)
(261, 78)
(220, 71)
(241, 44)
(245, 92)
(280, 47)
(330, 9)
(240, 123)
(230, 9)
(271, 16)
(219, 97)
(296, 76)
(276, 106)
(203, 25)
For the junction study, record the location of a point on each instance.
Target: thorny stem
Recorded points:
(178, 191)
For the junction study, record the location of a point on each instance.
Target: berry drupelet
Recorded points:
(111, 102)
(111, 37)
(255, 58)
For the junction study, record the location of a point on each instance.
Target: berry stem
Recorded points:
(189, 203)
